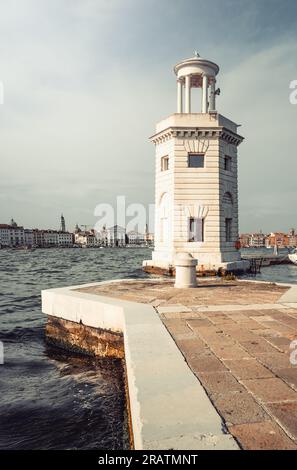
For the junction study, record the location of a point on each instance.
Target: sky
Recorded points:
(85, 82)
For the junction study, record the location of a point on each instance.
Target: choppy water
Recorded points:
(282, 273)
(50, 399)
(279, 273)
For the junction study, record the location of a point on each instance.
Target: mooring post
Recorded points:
(185, 271)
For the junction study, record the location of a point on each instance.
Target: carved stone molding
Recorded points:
(195, 133)
(196, 145)
(199, 211)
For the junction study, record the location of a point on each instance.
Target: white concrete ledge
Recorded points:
(290, 296)
(169, 407)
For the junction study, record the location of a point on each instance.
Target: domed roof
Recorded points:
(196, 65)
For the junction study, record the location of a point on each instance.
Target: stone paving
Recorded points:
(243, 361)
(235, 337)
(209, 292)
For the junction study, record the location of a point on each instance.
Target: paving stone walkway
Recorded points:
(161, 293)
(242, 359)
(235, 337)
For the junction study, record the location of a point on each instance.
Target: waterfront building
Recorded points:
(38, 238)
(116, 236)
(135, 238)
(245, 240)
(29, 237)
(196, 190)
(12, 234)
(279, 239)
(5, 235)
(50, 238)
(102, 236)
(77, 228)
(148, 237)
(292, 238)
(65, 238)
(85, 238)
(258, 240)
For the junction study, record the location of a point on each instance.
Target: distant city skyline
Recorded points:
(88, 227)
(85, 83)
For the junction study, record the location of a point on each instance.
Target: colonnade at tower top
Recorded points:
(196, 73)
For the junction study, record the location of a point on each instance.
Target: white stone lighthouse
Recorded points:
(196, 192)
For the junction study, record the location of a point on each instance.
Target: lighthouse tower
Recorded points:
(196, 191)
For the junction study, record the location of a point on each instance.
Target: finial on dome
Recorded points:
(196, 54)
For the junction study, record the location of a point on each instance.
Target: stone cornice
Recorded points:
(231, 137)
(197, 132)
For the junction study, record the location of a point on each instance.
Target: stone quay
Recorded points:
(206, 367)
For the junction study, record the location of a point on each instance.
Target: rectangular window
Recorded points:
(227, 163)
(196, 160)
(228, 226)
(196, 230)
(165, 163)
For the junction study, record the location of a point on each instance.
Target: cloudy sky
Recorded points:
(85, 81)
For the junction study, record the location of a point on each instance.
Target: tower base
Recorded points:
(161, 267)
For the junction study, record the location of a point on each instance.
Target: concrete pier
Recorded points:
(169, 408)
(268, 260)
(207, 368)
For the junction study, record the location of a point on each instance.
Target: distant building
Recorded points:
(102, 236)
(116, 236)
(245, 240)
(38, 237)
(12, 234)
(279, 239)
(5, 235)
(85, 238)
(257, 240)
(292, 238)
(65, 238)
(135, 238)
(63, 225)
(148, 237)
(260, 240)
(29, 237)
(48, 238)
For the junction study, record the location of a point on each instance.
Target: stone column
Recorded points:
(204, 94)
(212, 97)
(188, 94)
(179, 96)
